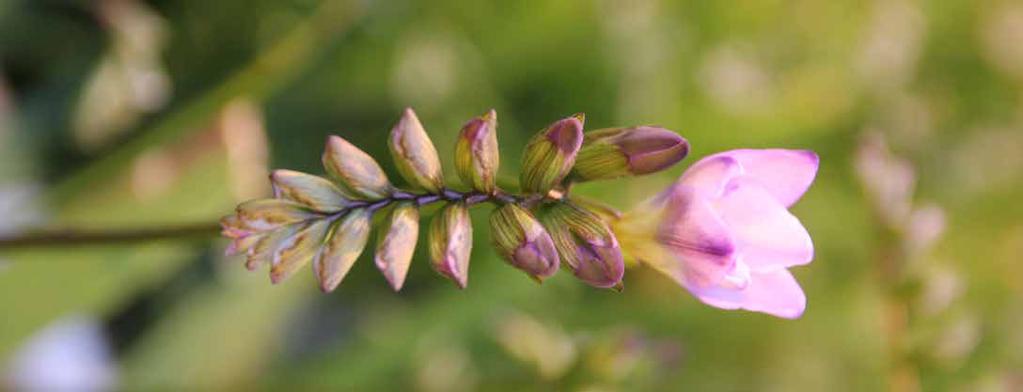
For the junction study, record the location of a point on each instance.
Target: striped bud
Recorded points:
(268, 214)
(262, 250)
(295, 250)
(551, 154)
(356, 171)
(397, 242)
(312, 191)
(414, 154)
(523, 241)
(585, 244)
(476, 155)
(451, 243)
(621, 152)
(347, 240)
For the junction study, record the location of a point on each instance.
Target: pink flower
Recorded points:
(724, 232)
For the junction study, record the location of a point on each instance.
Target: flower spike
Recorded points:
(722, 231)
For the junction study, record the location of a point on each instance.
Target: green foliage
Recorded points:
(940, 80)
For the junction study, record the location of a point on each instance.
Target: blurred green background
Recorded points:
(117, 114)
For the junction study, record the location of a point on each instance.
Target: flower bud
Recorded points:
(397, 243)
(523, 241)
(242, 238)
(262, 251)
(586, 244)
(346, 242)
(356, 170)
(551, 154)
(268, 214)
(312, 191)
(621, 152)
(295, 250)
(476, 155)
(414, 154)
(451, 243)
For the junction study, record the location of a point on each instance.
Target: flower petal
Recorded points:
(785, 174)
(767, 236)
(709, 175)
(701, 247)
(776, 293)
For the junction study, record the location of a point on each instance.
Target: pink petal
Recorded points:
(710, 175)
(766, 235)
(786, 174)
(702, 248)
(776, 293)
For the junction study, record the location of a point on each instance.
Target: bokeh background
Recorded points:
(122, 114)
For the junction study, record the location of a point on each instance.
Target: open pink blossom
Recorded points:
(724, 232)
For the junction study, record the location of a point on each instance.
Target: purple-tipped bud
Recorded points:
(451, 243)
(551, 153)
(620, 152)
(523, 242)
(586, 244)
(476, 154)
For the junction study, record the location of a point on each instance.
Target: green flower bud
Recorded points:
(523, 241)
(295, 250)
(355, 170)
(414, 154)
(585, 244)
(346, 241)
(397, 243)
(451, 243)
(621, 152)
(551, 154)
(312, 191)
(476, 155)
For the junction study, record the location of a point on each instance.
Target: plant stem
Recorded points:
(78, 237)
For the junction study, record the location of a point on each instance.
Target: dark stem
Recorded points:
(78, 237)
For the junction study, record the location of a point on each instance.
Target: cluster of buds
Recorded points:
(537, 229)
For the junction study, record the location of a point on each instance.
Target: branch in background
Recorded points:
(78, 237)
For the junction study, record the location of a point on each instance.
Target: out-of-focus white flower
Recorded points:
(736, 81)
(887, 179)
(941, 286)
(426, 70)
(130, 79)
(71, 354)
(892, 46)
(925, 227)
(958, 340)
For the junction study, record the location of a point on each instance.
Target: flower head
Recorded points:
(724, 232)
